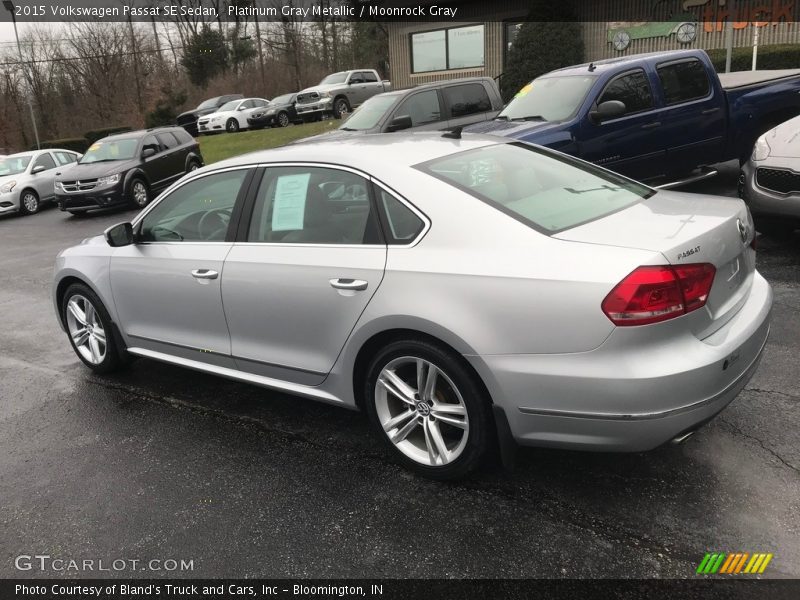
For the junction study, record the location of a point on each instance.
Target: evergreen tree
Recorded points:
(553, 41)
(205, 56)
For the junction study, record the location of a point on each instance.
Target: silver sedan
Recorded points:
(770, 180)
(28, 178)
(460, 291)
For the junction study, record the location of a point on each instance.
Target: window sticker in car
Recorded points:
(289, 206)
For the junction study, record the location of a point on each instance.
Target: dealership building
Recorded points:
(477, 43)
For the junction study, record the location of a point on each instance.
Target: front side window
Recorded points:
(46, 161)
(369, 114)
(369, 77)
(456, 48)
(228, 106)
(313, 205)
(151, 143)
(684, 81)
(467, 99)
(198, 211)
(549, 98)
(334, 78)
(108, 150)
(632, 89)
(422, 108)
(546, 191)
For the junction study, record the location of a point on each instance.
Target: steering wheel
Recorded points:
(213, 223)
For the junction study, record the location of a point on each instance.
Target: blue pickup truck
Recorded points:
(650, 116)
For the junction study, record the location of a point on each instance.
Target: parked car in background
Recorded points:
(231, 116)
(339, 93)
(188, 120)
(28, 178)
(458, 290)
(770, 179)
(650, 116)
(281, 112)
(127, 168)
(432, 106)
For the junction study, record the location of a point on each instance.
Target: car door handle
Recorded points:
(356, 285)
(652, 125)
(204, 274)
(709, 111)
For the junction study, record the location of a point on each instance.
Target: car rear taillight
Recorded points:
(657, 293)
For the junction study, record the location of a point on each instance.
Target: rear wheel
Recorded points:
(193, 166)
(232, 126)
(428, 409)
(29, 202)
(89, 329)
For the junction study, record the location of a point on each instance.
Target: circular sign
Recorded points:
(621, 40)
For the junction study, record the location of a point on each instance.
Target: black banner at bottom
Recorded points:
(391, 589)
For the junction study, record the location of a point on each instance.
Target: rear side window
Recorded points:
(65, 158)
(467, 99)
(547, 191)
(422, 107)
(182, 136)
(402, 223)
(632, 89)
(684, 81)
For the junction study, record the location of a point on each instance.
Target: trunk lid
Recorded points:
(686, 229)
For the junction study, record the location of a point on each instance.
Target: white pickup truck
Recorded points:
(339, 93)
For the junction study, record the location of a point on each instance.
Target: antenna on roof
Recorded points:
(454, 133)
(591, 67)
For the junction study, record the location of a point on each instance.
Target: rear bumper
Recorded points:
(629, 397)
(763, 202)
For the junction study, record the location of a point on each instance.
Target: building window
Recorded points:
(443, 49)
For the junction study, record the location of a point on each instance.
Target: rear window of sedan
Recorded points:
(545, 190)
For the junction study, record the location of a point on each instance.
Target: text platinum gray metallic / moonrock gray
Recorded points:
(452, 288)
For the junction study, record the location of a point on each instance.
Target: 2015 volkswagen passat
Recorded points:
(452, 288)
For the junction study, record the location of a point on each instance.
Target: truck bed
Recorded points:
(740, 79)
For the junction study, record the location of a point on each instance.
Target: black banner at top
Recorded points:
(218, 11)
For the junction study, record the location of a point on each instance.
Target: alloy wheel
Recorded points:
(341, 109)
(283, 120)
(421, 411)
(139, 193)
(30, 202)
(86, 329)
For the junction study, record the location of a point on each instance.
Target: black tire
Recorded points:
(473, 394)
(193, 166)
(112, 360)
(135, 196)
(282, 119)
(232, 126)
(33, 201)
(341, 108)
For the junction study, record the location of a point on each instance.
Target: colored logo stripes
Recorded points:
(733, 563)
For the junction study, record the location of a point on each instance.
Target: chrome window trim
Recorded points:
(323, 165)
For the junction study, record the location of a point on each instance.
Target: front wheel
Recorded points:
(89, 328)
(29, 203)
(283, 119)
(139, 194)
(428, 409)
(341, 108)
(232, 126)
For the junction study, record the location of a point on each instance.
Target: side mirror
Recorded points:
(610, 109)
(118, 235)
(37, 169)
(148, 152)
(401, 122)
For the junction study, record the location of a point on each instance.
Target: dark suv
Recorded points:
(127, 168)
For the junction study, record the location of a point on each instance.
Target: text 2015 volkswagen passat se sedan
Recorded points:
(458, 290)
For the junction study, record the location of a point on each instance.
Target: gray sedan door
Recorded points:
(295, 286)
(167, 285)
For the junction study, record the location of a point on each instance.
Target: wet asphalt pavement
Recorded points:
(162, 463)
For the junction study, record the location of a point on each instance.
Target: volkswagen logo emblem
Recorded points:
(423, 409)
(743, 233)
